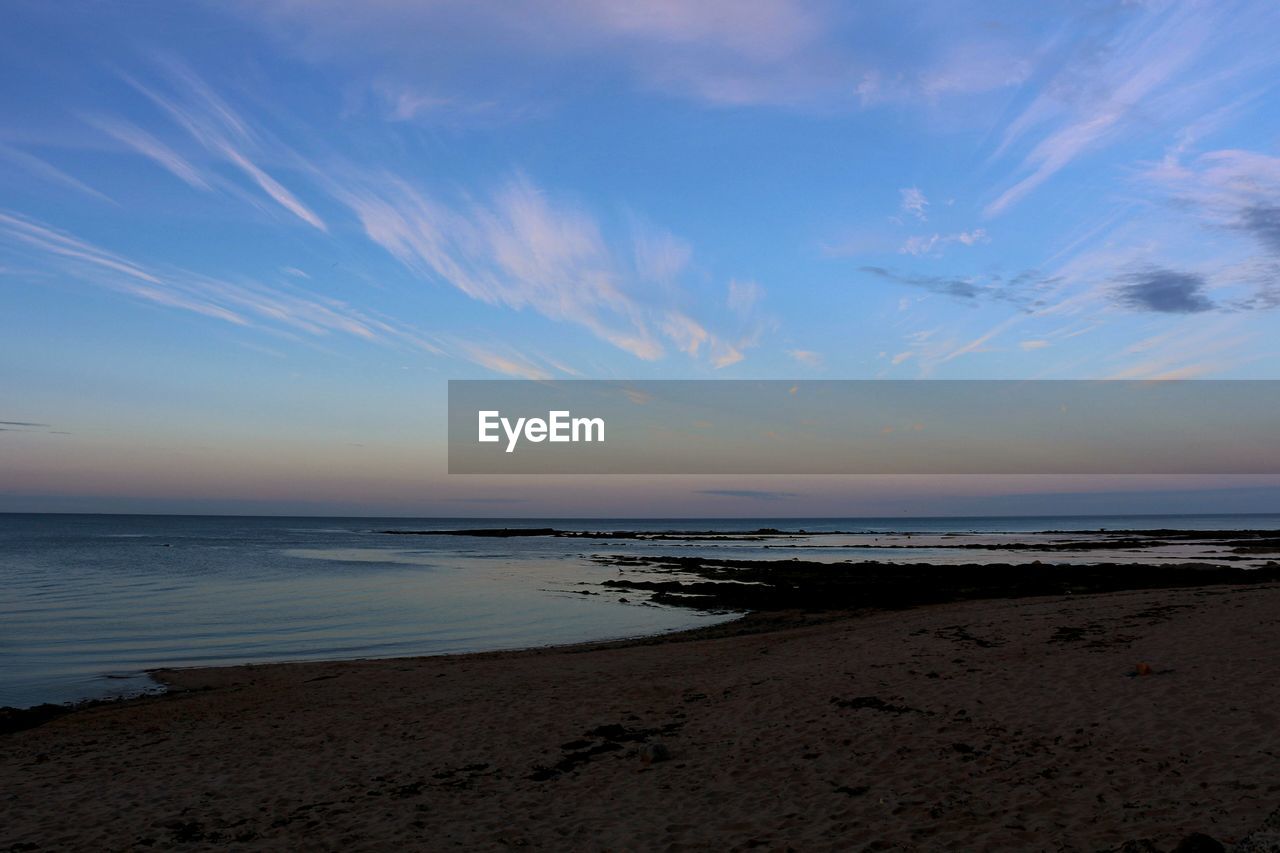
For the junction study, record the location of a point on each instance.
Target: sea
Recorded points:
(90, 603)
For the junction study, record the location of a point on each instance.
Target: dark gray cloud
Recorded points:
(1263, 222)
(1026, 289)
(30, 426)
(752, 494)
(949, 285)
(1163, 291)
(1265, 299)
(1264, 275)
(490, 501)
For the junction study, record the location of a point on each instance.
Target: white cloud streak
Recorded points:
(241, 303)
(39, 168)
(1104, 98)
(150, 147)
(521, 250)
(212, 123)
(516, 248)
(508, 364)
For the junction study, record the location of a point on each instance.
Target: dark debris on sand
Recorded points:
(601, 740)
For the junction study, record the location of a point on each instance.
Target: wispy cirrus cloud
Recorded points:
(1230, 188)
(508, 362)
(521, 249)
(211, 122)
(151, 148)
(805, 54)
(957, 62)
(719, 51)
(516, 250)
(977, 65)
(46, 171)
(517, 247)
(1190, 349)
(1151, 69)
(243, 303)
(248, 303)
(660, 256)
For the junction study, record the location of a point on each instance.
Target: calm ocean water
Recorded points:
(89, 602)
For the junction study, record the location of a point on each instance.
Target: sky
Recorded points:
(244, 245)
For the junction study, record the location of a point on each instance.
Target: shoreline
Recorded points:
(802, 589)
(780, 592)
(984, 723)
(161, 687)
(639, 577)
(746, 624)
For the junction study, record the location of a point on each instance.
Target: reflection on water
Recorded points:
(89, 602)
(362, 555)
(84, 609)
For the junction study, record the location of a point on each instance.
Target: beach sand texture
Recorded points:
(998, 725)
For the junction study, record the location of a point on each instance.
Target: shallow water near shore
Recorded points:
(88, 603)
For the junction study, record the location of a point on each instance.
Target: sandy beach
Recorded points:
(999, 725)
(640, 425)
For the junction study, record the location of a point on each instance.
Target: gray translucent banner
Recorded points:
(864, 427)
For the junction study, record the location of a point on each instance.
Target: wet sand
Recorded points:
(1012, 725)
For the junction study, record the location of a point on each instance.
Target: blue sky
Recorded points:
(244, 245)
